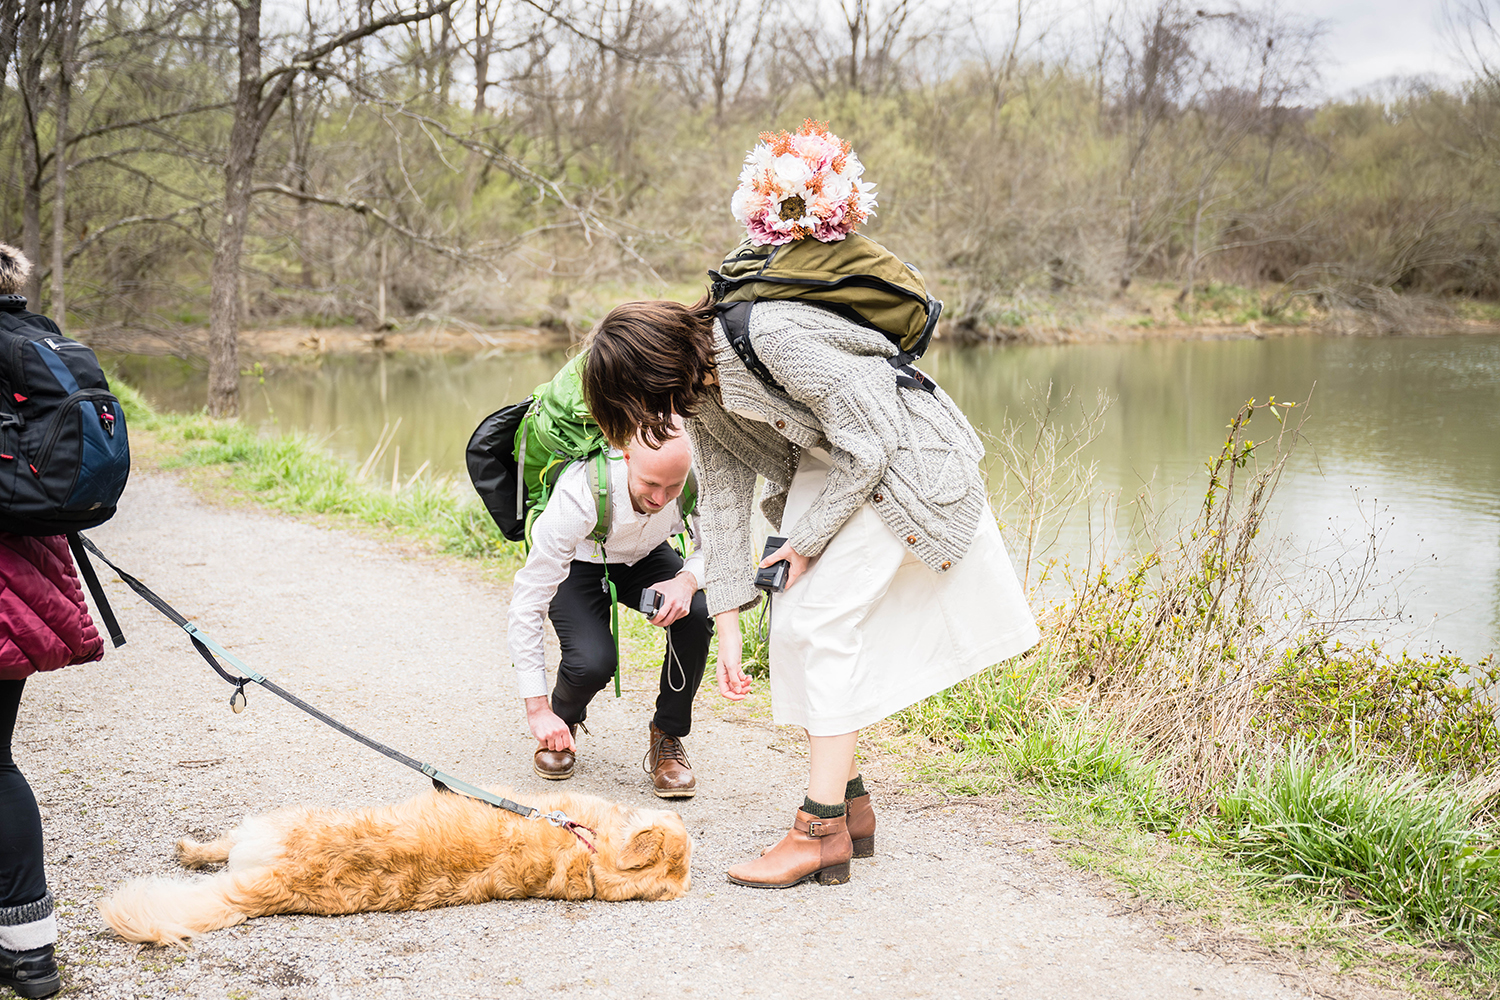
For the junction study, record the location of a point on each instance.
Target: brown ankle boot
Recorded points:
(667, 763)
(555, 765)
(861, 816)
(813, 848)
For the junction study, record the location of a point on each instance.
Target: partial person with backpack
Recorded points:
(897, 583)
(63, 463)
(598, 523)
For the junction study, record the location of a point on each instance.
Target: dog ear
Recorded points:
(643, 849)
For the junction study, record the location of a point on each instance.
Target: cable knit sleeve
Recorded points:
(841, 375)
(727, 483)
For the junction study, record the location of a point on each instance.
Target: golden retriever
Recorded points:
(438, 849)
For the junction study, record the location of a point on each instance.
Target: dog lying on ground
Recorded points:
(438, 849)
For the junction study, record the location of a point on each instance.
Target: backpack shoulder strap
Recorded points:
(596, 467)
(736, 318)
(687, 500)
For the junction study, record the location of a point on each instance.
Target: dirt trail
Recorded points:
(129, 754)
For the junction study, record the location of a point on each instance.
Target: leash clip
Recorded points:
(238, 701)
(559, 818)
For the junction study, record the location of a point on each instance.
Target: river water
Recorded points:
(1400, 450)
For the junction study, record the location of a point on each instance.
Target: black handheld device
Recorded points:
(650, 602)
(773, 577)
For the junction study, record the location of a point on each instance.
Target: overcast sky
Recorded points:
(1369, 40)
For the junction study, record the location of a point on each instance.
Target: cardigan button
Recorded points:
(911, 539)
(946, 565)
(878, 497)
(781, 425)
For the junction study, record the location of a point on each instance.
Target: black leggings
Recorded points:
(22, 879)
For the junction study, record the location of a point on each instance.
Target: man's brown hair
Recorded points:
(647, 361)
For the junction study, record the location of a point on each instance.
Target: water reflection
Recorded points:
(1402, 439)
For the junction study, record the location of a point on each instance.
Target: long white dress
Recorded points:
(869, 629)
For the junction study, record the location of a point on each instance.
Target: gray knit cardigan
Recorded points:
(909, 453)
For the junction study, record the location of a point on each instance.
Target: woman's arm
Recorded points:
(734, 683)
(726, 497)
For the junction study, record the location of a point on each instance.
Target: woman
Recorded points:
(44, 625)
(899, 584)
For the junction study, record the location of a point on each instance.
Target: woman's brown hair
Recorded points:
(647, 361)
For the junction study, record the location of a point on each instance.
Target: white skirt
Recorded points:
(869, 629)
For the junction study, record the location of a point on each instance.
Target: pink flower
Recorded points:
(793, 186)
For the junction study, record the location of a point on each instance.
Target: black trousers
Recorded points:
(22, 879)
(580, 614)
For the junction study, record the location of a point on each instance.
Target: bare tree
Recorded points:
(728, 36)
(258, 97)
(1258, 63)
(1157, 63)
(70, 18)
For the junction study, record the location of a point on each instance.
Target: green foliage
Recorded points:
(1429, 712)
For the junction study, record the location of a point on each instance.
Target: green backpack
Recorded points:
(517, 454)
(855, 277)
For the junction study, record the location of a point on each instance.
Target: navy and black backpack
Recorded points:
(64, 451)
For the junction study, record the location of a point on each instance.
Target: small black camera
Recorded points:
(650, 602)
(773, 577)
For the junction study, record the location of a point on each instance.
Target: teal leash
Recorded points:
(209, 648)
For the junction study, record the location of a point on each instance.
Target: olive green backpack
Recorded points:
(855, 277)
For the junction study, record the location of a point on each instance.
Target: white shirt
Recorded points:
(560, 537)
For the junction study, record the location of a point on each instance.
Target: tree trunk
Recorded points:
(67, 41)
(29, 75)
(224, 280)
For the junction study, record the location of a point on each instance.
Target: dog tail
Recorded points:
(170, 911)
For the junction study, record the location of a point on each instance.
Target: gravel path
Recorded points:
(129, 754)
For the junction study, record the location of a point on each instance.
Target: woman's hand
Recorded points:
(734, 683)
(797, 563)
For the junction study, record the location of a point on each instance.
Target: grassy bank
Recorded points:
(1183, 727)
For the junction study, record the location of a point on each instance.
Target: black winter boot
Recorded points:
(31, 973)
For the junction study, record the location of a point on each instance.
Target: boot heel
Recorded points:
(834, 874)
(864, 847)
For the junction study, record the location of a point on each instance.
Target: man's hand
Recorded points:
(734, 683)
(797, 563)
(676, 598)
(550, 731)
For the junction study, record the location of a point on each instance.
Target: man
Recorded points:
(564, 578)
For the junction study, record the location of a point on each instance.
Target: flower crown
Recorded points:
(798, 185)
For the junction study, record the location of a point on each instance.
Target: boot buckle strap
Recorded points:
(812, 828)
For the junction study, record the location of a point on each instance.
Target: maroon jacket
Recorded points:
(44, 622)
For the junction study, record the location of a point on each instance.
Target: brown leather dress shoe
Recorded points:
(813, 849)
(667, 763)
(861, 817)
(555, 765)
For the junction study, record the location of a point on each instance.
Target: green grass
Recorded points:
(1403, 847)
(296, 474)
